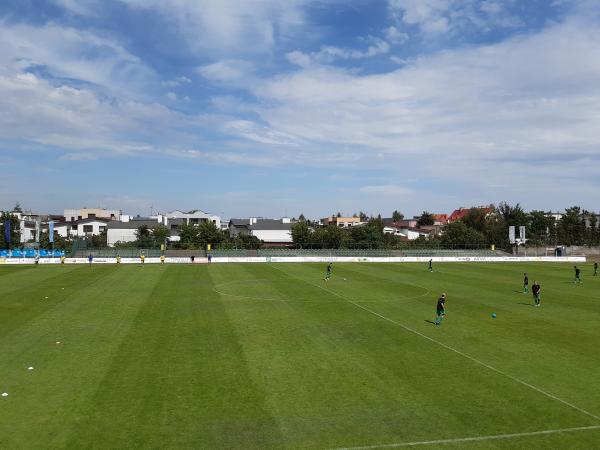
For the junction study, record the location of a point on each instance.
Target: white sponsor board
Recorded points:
(320, 259)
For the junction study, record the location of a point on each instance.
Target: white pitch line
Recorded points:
(472, 439)
(458, 352)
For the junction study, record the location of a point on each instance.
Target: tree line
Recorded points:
(479, 228)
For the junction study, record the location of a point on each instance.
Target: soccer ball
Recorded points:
(493, 315)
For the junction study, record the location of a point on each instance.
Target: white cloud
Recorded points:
(395, 36)
(79, 120)
(215, 27)
(178, 81)
(455, 114)
(329, 53)
(437, 17)
(226, 70)
(74, 54)
(258, 133)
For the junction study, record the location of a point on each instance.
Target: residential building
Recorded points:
(127, 231)
(81, 228)
(411, 233)
(72, 215)
(270, 231)
(440, 219)
(342, 222)
(194, 217)
(404, 223)
(462, 212)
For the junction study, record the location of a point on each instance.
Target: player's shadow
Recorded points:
(526, 304)
(430, 321)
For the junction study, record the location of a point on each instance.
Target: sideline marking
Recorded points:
(471, 439)
(475, 360)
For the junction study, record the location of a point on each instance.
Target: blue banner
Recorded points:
(7, 224)
(51, 231)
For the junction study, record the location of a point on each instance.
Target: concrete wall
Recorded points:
(317, 259)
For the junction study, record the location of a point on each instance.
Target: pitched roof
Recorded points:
(239, 222)
(132, 224)
(271, 224)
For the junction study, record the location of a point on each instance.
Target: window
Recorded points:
(74, 227)
(194, 221)
(102, 228)
(88, 228)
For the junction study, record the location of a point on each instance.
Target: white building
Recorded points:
(267, 230)
(195, 217)
(127, 231)
(81, 228)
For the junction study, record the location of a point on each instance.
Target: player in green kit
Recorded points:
(596, 269)
(440, 310)
(431, 265)
(577, 275)
(525, 284)
(536, 290)
(328, 271)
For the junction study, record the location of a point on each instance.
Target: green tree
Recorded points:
(571, 227)
(425, 219)
(18, 208)
(208, 233)
(397, 216)
(476, 219)
(594, 231)
(369, 235)
(160, 234)
(98, 240)
(188, 236)
(335, 237)
(363, 216)
(59, 241)
(15, 230)
(301, 234)
(301, 218)
(539, 228)
(459, 235)
(318, 237)
(144, 237)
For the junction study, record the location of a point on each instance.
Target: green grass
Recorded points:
(270, 356)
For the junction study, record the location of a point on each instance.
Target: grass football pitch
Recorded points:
(271, 356)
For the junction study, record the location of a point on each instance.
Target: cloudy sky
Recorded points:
(276, 107)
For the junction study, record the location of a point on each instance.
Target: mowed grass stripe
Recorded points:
(41, 290)
(561, 346)
(53, 398)
(154, 357)
(373, 400)
(178, 379)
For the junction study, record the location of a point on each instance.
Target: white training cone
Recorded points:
(30, 368)
(5, 394)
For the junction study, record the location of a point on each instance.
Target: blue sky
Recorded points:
(272, 108)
